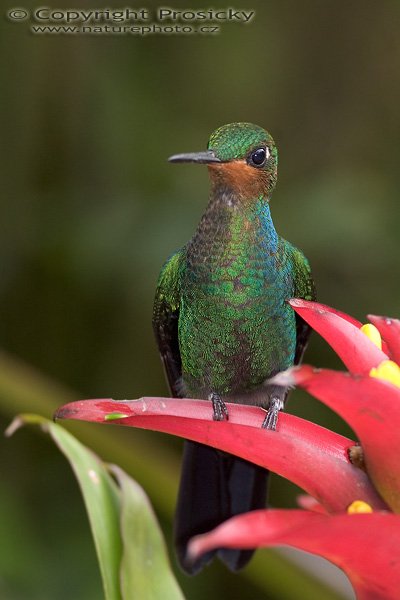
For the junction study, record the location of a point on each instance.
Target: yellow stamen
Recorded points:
(373, 334)
(359, 506)
(387, 370)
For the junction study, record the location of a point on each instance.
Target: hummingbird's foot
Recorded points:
(271, 418)
(220, 412)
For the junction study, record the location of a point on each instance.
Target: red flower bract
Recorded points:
(365, 546)
(390, 331)
(341, 332)
(299, 450)
(372, 408)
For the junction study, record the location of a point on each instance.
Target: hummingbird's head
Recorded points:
(241, 157)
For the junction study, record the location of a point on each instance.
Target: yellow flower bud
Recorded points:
(373, 334)
(359, 506)
(387, 370)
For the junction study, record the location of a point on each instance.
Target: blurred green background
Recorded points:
(90, 210)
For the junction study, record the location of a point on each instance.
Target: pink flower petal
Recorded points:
(372, 408)
(341, 332)
(299, 450)
(365, 546)
(390, 331)
(300, 303)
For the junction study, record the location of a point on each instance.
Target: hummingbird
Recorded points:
(224, 327)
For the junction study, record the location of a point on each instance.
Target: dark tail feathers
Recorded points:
(214, 487)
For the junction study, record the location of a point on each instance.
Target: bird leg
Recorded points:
(220, 412)
(271, 418)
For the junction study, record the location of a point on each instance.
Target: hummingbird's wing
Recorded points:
(165, 320)
(304, 287)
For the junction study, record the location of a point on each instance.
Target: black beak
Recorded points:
(205, 157)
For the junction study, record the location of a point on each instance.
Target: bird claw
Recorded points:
(271, 418)
(220, 412)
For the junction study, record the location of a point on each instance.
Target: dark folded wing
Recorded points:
(165, 321)
(304, 287)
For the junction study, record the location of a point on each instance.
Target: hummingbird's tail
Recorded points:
(214, 487)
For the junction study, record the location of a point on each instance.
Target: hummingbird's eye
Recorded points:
(258, 157)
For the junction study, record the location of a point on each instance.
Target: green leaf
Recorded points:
(128, 542)
(100, 494)
(145, 564)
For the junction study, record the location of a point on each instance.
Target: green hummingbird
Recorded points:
(224, 327)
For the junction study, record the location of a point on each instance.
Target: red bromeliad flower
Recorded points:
(366, 546)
